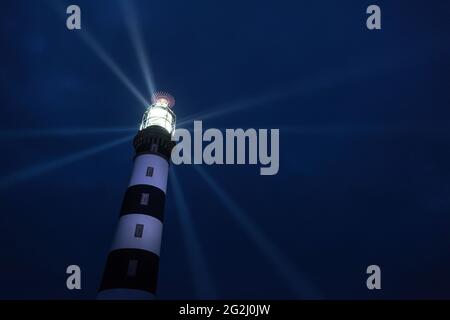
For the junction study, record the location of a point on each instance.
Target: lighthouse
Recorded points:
(132, 265)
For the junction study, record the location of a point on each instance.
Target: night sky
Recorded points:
(364, 146)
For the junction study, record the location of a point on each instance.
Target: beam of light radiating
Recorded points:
(38, 133)
(364, 130)
(296, 281)
(60, 10)
(230, 108)
(132, 23)
(200, 270)
(36, 170)
(111, 64)
(308, 86)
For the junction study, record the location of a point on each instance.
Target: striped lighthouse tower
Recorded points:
(131, 270)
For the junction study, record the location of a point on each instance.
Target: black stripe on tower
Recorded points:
(131, 269)
(155, 140)
(144, 199)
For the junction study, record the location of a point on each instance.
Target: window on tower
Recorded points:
(139, 231)
(150, 172)
(132, 268)
(144, 199)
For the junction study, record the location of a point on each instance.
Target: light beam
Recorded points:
(38, 133)
(101, 54)
(111, 64)
(311, 85)
(297, 282)
(202, 278)
(38, 169)
(133, 26)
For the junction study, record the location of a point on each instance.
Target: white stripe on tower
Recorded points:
(147, 236)
(142, 175)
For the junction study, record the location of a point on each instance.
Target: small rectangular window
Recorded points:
(144, 199)
(132, 268)
(150, 172)
(139, 230)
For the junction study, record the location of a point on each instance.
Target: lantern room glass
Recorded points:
(159, 114)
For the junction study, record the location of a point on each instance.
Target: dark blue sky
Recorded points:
(364, 161)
